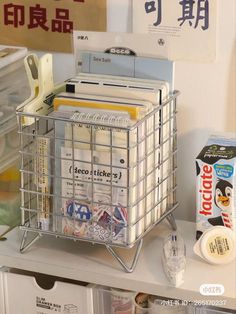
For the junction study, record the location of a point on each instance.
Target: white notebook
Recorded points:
(157, 90)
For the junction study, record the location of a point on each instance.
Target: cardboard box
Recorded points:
(216, 180)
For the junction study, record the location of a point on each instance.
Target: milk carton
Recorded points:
(216, 184)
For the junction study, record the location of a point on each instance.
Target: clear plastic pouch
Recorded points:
(14, 89)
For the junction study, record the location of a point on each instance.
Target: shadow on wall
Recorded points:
(189, 146)
(230, 118)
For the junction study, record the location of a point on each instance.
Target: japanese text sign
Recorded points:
(189, 24)
(48, 24)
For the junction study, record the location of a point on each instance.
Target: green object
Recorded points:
(9, 211)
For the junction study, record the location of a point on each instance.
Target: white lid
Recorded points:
(217, 245)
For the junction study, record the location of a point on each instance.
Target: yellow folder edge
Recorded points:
(133, 110)
(11, 174)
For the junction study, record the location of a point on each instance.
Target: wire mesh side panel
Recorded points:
(161, 164)
(98, 183)
(37, 162)
(91, 177)
(168, 156)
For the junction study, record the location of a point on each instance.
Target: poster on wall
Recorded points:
(48, 24)
(190, 26)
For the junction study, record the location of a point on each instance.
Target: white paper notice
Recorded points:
(190, 26)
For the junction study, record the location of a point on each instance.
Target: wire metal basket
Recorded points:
(98, 178)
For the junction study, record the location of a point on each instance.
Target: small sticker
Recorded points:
(224, 171)
(78, 210)
(218, 246)
(49, 99)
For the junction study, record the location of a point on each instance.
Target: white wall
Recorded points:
(207, 103)
(208, 94)
(119, 19)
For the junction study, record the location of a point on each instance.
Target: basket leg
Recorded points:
(120, 260)
(24, 244)
(171, 220)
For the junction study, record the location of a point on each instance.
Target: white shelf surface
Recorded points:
(93, 263)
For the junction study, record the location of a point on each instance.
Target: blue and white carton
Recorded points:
(216, 184)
